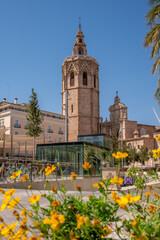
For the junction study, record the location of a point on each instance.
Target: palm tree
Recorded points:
(152, 38)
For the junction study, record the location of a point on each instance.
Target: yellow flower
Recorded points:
(156, 195)
(116, 180)
(16, 174)
(13, 203)
(55, 221)
(136, 198)
(90, 196)
(96, 222)
(86, 165)
(80, 221)
(119, 155)
(34, 199)
(9, 228)
(122, 202)
(73, 237)
(114, 196)
(1, 190)
(47, 221)
(24, 178)
(23, 212)
(73, 176)
(33, 238)
(157, 138)
(61, 219)
(24, 221)
(2, 225)
(156, 153)
(96, 185)
(30, 213)
(134, 223)
(29, 187)
(49, 169)
(54, 189)
(147, 194)
(55, 203)
(5, 203)
(9, 193)
(132, 199)
(129, 198)
(152, 208)
(106, 228)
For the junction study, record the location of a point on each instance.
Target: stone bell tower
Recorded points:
(80, 91)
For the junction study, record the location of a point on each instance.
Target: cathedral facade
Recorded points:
(136, 135)
(80, 103)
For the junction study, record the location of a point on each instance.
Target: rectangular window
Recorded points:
(50, 129)
(72, 108)
(16, 133)
(16, 124)
(1, 123)
(60, 130)
(16, 121)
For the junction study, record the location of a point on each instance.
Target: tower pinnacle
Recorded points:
(79, 22)
(79, 46)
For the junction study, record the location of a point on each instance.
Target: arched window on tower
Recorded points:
(84, 78)
(80, 40)
(95, 81)
(72, 79)
(80, 51)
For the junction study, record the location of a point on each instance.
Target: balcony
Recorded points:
(17, 125)
(60, 132)
(49, 131)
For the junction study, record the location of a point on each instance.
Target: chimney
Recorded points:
(4, 99)
(15, 100)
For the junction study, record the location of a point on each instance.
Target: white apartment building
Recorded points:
(14, 141)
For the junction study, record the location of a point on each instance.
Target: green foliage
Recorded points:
(34, 117)
(114, 142)
(133, 156)
(143, 154)
(71, 217)
(139, 177)
(152, 39)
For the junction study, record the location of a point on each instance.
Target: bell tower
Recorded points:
(80, 91)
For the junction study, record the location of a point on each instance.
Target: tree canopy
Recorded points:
(152, 39)
(34, 117)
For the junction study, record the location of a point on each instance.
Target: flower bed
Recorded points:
(69, 217)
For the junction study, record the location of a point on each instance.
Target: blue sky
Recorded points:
(37, 35)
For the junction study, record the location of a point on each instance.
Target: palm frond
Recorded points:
(153, 15)
(155, 49)
(153, 2)
(157, 93)
(152, 36)
(156, 65)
